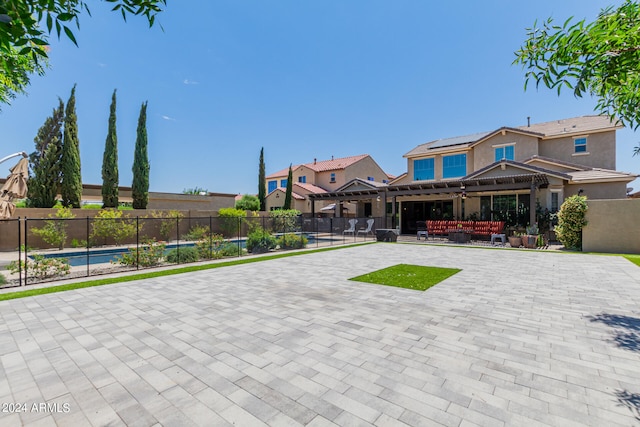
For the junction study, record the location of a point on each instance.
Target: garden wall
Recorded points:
(613, 226)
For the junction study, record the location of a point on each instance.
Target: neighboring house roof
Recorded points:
(575, 125)
(398, 178)
(322, 165)
(531, 168)
(310, 187)
(284, 190)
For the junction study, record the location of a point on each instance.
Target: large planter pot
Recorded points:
(530, 241)
(515, 241)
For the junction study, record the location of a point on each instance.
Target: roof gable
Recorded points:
(361, 184)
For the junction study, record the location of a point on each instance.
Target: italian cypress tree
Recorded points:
(140, 185)
(262, 190)
(45, 161)
(71, 187)
(110, 162)
(289, 192)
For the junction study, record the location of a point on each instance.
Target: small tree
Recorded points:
(110, 161)
(71, 187)
(109, 223)
(284, 220)
(262, 189)
(54, 231)
(230, 220)
(289, 193)
(571, 220)
(140, 185)
(45, 161)
(248, 203)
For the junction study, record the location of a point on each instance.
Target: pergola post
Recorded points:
(532, 203)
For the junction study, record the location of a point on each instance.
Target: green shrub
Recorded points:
(109, 223)
(54, 231)
(248, 203)
(3, 280)
(285, 220)
(207, 248)
(75, 243)
(197, 232)
(182, 255)
(292, 241)
(41, 267)
(148, 254)
(259, 240)
(230, 220)
(571, 220)
(168, 222)
(228, 249)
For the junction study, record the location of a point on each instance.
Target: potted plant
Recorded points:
(530, 240)
(515, 241)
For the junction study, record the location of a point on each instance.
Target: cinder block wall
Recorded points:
(613, 226)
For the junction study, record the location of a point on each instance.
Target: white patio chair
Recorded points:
(367, 230)
(352, 227)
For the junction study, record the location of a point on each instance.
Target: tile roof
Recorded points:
(600, 175)
(513, 163)
(323, 165)
(310, 187)
(556, 162)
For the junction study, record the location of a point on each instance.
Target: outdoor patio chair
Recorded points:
(421, 227)
(352, 227)
(367, 230)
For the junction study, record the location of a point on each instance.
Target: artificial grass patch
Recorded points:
(634, 259)
(152, 274)
(408, 276)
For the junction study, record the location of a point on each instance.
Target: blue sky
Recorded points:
(303, 79)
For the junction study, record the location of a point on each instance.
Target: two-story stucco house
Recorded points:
(505, 174)
(322, 176)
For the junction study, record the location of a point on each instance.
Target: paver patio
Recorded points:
(516, 338)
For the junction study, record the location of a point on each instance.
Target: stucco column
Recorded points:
(532, 203)
(384, 208)
(338, 210)
(393, 212)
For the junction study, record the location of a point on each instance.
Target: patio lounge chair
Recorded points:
(421, 227)
(367, 230)
(352, 227)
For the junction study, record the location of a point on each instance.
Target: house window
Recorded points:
(454, 166)
(283, 183)
(302, 179)
(580, 145)
(332, 177)
(385, 181)
(370, 178)
(506, 152)
(423, 169)
(272, 185)
(555, 199)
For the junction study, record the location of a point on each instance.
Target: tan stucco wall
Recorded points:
(600, 146)
(363, 169)
(484, 153)
(612, 226)
(211, 202)
(614, 190)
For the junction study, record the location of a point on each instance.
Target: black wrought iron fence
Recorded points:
(33, 250)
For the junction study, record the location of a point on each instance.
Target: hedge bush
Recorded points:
(571, 220)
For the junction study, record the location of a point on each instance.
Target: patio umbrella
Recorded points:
(15, 187)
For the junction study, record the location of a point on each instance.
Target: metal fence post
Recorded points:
(19, 252)
(88, 245)
(137, 243)
(26, 270)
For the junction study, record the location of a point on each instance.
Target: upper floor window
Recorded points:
(454, 166)
(370, 178)
(283, 183)
(423, 169)
(506, 152)
(302, 179)
(332, 177)
(580, 145)
(272, 185)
